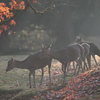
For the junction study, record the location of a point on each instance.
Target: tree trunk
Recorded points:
(65, 32)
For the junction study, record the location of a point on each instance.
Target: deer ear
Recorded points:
(12, 59)
(77, 37)
(50, 45)
(43, 46)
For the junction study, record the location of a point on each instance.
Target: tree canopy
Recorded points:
(51, 21)
(8, 13)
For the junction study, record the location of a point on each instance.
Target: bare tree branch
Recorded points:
(38, 12)
(28, 4)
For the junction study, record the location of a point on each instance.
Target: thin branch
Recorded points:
(35, 11)
(28, 4)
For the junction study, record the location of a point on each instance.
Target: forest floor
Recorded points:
(14, 85)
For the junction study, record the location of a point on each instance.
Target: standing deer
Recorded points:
(86, 54)
(31, 63)
(94, 50)
(64, 55)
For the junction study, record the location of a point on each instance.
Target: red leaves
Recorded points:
(1, 31)
(3, 27)
(18, 4)
(2, 4)
(82, 85)
(12, 22)
(4, 81)
(6, 13)
(34, 1)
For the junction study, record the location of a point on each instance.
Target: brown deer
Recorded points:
(94, 50)
(85, 49)
(64, 55)
(31, 63)
(86, 54)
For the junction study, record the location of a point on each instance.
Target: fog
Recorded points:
(58, 28)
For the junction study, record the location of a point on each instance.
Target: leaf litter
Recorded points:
(87, 83)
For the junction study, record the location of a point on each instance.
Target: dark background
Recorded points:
(77, 17)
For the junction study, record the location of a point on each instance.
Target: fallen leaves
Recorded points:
(4, 81)
(83, 85)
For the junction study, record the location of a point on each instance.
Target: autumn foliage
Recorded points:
(84, 84)
(8, 12)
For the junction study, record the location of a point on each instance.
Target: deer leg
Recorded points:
(42, 76)
(30, 79)
(80, 65)
(74, 68)
(67, 68)
(77, 66)
(34, 78)
(64, 68)
(49, 66)
(89, 60)
(94, 59)
(80, 60)
(85, 65)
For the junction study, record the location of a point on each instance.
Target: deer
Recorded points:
(86, 54)
(32, 63)
(94, 50)
(64, 55)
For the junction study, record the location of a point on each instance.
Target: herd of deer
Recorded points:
(78, 52)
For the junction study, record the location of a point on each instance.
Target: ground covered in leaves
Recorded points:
(15, 86)
(84, 84)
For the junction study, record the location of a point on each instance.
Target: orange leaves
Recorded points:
(35, 97)
(2, 4)
(3, 27)
(4, 81)
(18, 4)
(7, 12)
(3, 11)
(83, 85)
(22, 5)
(12, 22)
(34, 1)
(1, 31)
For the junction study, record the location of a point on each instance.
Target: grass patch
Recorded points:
(6, 94)
(15, 82)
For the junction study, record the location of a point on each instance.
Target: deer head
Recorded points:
(79, 39)
(45, 51)
(10, 65)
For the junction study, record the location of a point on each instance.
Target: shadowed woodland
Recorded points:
(59, 27)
